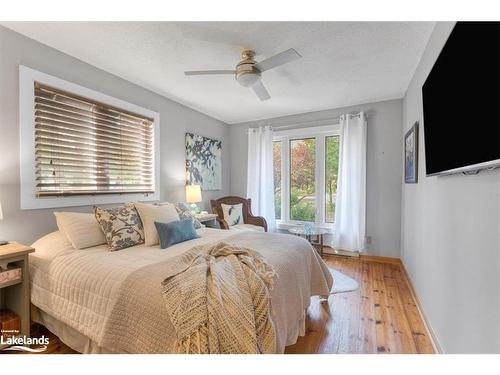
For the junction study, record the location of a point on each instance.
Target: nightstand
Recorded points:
(208, 219)
(15, 295)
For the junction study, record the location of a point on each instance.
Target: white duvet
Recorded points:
(80, 288)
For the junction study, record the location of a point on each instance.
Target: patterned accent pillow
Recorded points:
(121, 226)
(233, 213)
(185, 213)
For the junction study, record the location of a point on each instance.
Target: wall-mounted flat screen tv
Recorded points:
(461, 99)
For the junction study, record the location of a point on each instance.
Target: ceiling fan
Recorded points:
(248, 71)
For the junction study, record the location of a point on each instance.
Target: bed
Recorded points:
(97, 301)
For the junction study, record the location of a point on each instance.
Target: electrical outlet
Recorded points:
(368, 240)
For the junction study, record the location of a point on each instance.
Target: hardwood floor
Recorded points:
(380, 317)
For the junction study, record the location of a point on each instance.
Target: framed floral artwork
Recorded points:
(203, 162)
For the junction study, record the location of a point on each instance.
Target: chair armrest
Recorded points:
(257, 220)
(222, 223)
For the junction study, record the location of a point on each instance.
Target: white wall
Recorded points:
(451, 238)
(383, 166)
(15, 49)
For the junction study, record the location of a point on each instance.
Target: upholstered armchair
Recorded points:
(249, 220)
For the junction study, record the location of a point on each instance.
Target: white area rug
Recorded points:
(342, 283)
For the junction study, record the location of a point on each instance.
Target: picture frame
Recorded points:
(411, 154)
(203, 161)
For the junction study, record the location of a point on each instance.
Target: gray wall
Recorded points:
(451, 238)
(15, 49)
(384, 152)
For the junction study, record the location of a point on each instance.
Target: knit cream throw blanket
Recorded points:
(219, 301)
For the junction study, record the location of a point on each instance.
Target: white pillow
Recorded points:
(82, 230)
(233, 213)
(150, 213)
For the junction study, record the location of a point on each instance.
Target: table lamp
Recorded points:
(193, 196)
(1, 218)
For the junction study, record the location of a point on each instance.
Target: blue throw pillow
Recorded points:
(175, 232)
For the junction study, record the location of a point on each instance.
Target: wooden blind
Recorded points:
(84, 147)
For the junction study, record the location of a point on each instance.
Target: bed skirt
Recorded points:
(82, 344)
(68, 335)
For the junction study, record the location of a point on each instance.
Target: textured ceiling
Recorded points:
(343, 63)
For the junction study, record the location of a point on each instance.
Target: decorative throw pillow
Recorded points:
(150, 213)
(81, 229)
(233, 213)
(175, 232)
(121, 226)
(185, 213)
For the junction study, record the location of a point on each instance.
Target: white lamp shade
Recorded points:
(1, 214)
(193, 193)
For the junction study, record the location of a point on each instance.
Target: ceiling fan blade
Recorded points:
(261, 91)
(207, 72)
(277, 60)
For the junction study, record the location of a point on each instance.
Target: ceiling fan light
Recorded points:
(247, 79)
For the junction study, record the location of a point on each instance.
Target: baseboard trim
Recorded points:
(379, 258)
(432, 335)
(362, 256)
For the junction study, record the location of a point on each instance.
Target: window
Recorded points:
(305, 175)
(331, 175)
(303, 179)
(277, 178)
(84, 147)
(81, 147)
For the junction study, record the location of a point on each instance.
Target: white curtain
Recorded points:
(350, 209)
(260, 186)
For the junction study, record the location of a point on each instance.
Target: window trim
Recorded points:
(285, 136)
(27, 158)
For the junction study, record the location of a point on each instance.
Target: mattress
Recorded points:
(76, 290)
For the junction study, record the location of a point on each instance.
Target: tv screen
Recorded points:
(461, 99)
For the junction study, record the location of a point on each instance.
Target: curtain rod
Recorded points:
(329, 121)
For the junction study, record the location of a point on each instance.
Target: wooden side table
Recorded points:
(208, 219)
(15, 296)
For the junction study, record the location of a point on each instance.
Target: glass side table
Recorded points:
(312, 234)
